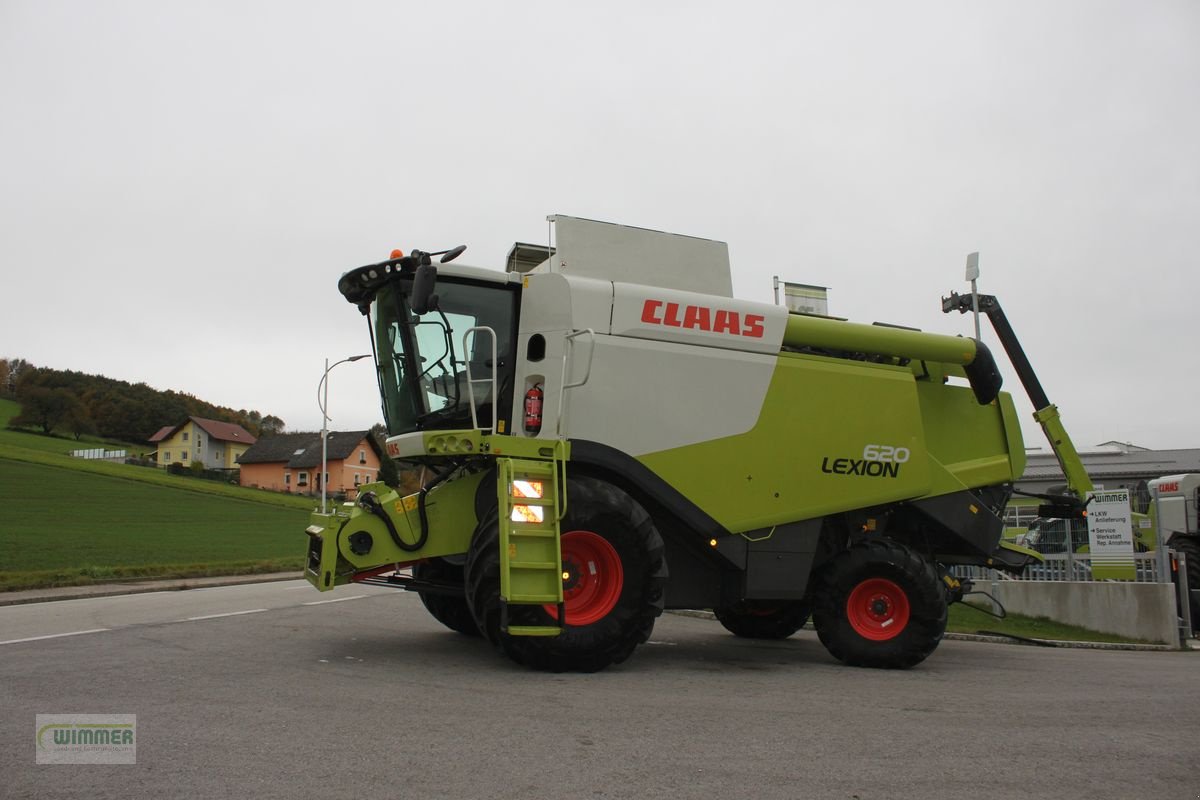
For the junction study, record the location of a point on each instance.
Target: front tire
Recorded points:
(448, 609)
(880, 604)
(613, 590)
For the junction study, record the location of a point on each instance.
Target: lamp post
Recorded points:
(323, 403)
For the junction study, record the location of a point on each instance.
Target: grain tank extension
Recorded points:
(605, 432)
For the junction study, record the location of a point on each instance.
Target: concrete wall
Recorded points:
(1138, 610)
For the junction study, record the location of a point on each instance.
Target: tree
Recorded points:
(77, 420)
(270, 425)
(380, 433)
(44, 408)
(11, 373)
(388, 472)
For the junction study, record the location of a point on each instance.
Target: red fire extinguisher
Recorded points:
(533, 409)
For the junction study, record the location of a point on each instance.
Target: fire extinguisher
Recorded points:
(533, 409)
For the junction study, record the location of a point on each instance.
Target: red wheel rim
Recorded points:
(878, 609)
(592, 578)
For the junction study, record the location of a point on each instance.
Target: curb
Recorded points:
(1192, 644)
(138, 587)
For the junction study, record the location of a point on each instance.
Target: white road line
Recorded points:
(54, 636)
(229, 614)
(334, 600)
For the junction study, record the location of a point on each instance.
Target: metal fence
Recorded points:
(1147, 568)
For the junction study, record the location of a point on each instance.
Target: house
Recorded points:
(291, 462)
(214, 444)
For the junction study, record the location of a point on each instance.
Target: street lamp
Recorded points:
(323, 404)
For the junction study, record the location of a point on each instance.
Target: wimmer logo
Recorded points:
(86, 738)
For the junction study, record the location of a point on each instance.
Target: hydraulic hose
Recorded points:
(369, 502)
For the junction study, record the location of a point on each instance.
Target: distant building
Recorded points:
(291, 462)
(1111, 465)
(216, 445)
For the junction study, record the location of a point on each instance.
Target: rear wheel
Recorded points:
(614, 575)
(449, 609)
(763, 619)
(880, 604)
(1190, 547)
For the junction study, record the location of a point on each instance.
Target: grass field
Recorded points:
(66, 521)
(63, 526)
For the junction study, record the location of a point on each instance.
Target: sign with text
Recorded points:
(1110, 534)
(85, 738)
(805, 298)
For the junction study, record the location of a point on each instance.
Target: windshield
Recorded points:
(422, 363)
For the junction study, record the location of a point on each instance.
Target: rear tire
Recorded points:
(608, 614)
(450, 610)
(763, 619)
(880, 604)
(1190, 546)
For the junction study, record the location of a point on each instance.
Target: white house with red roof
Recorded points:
(216, 445)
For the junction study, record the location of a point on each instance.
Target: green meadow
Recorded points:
(65, 521)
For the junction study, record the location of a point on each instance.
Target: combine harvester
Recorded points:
(604, 432)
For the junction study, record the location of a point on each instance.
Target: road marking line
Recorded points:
(229, 614)
(54, 636)
(334, 600)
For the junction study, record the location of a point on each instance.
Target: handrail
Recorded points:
(492, 380)
(569, 339)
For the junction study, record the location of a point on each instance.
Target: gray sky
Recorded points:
(183, 183)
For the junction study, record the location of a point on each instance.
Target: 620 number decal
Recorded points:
(885, 453)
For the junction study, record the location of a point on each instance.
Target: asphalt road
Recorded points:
(287, 695)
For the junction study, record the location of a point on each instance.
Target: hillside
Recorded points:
(69, 522)
(70, 402)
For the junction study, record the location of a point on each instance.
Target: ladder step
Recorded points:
(533, 630)
(536, 533)
(550, 565)
(532, 599)
(532, 501)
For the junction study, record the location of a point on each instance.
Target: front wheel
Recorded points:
(880, 604)
(614, 576)
(449, 609)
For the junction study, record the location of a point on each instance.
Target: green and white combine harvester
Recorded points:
(604, 432)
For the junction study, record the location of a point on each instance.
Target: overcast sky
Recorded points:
(184, 183)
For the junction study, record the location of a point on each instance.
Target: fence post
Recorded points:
(1185, 600)
(1164, 558)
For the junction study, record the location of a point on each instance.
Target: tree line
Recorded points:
(75, 403)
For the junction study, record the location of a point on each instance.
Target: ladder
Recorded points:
(530, 554)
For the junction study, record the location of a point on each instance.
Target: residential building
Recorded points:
(291, 462)
(216, 445)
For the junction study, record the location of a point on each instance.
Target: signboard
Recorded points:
(804, 298)
(1110, 535)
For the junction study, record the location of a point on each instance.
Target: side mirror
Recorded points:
(423, 299)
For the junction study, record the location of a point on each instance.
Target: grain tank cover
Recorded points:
(625, 254)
